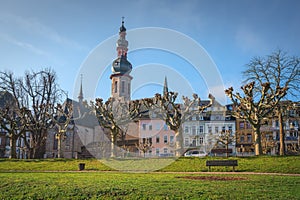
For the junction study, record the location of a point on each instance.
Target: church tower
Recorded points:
(121, 68)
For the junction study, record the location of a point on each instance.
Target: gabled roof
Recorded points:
(82, 115)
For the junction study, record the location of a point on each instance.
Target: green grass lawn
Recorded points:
(116, 185)
(55, 179)
(264, 164)
(50, 165)
(270, 164)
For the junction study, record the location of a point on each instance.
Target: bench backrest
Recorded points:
(221, 163)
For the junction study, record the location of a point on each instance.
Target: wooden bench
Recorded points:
(226, 163)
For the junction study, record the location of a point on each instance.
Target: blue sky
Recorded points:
(61, 34)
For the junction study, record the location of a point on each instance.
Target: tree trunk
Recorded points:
(113, 143)
(227, 150)
(281, 135)
(257, 141)
(29, 152)
(179, 143)
(39, 150)
(28, 149)
(13, 146)
(59, 146)
(112, 146)
(39, 143)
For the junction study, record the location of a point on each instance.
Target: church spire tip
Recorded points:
(80, 96)
(122, 28)
(166, 89)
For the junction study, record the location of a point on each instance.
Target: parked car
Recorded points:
(195, 153)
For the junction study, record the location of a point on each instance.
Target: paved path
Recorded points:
(204, 173)
(232, 173)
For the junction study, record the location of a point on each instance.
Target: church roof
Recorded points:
(82, 115)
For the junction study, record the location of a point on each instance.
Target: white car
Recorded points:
(195, 153)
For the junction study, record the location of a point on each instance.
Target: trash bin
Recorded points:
(81, 166)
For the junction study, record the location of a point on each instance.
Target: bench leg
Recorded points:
(233, 168)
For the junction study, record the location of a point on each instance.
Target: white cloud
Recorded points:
(24, 45)
(35, 27)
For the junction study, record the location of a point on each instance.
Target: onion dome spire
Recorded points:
(121, 65)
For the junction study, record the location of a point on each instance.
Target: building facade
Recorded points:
(160, 138)
(270, 132)
(202, 131)
(83, 132)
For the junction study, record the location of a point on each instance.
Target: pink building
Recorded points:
(160, 137)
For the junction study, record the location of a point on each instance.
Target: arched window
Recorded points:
(128, 89)
(123, 86)
(116, 86)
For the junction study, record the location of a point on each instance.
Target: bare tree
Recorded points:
(254, 111)
(267, 143)
(144, 146)
(32, 110)
(280, 70)
(11, 121)
(175, 114)
(12, 111)
(226, 138)
(60, 120)
(115, 115)
(42, 93)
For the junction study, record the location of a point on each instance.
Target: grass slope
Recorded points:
(264, 164)
(50, 165)
(114, 185)
(92, 183)
(268, 164)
